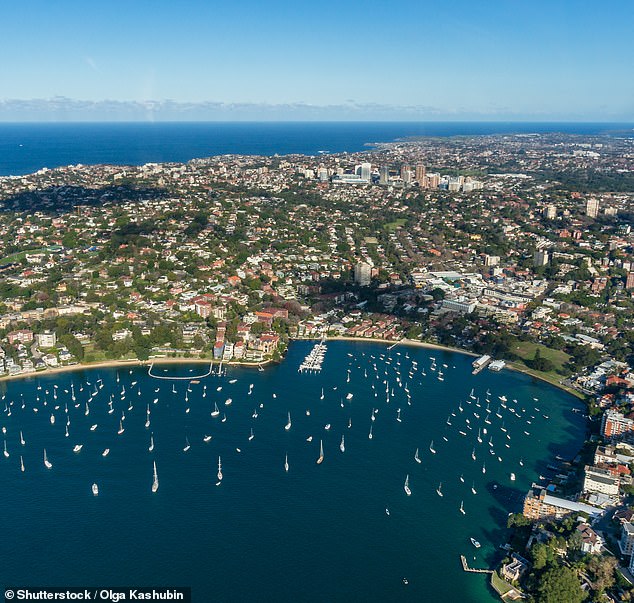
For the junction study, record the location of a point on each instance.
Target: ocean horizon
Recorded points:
(26, 147)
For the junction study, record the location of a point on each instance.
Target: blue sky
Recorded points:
(446, 59)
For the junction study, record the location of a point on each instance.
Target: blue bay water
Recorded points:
(28, 147)
(316, 533)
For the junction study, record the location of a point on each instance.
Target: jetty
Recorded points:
(473, 570)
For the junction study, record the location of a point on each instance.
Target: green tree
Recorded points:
(559, 584)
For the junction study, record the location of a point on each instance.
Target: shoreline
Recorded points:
(107, 364)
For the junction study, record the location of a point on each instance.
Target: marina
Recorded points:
(314, 359)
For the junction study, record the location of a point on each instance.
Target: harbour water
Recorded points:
(28, 147)
(314, 533)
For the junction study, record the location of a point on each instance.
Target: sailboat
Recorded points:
(416, 457)
(370, 434)
(320, 460)
(342, 446)
(155, 481)
(215, 412)
(251, 436)
(78, 447)
(288, 425)
(406, 486)
(121, 429)
(21, 464)
(462, 478)
(484, 469)
(479, 437)
(47, 463)
(398, 415)
(187, 446)
(106, 452)
(219, 470)
(95, 490)
(151, 447)
(439, 489)
(206, 438)
(66, 431)
(462, 508)
(473, 490)
(286, 463)
(473, 455)
(322, 394)
(6, 454)
(431, 447)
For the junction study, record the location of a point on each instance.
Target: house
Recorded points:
(514, 570)
(591, 542)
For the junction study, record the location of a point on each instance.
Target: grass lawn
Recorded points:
(526, 351)
(499, 585)
(392, 226)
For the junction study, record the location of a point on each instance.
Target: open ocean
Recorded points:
(28, 147)
(315, 533)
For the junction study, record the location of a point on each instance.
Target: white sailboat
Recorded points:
(484, 469)
(21, 464)
(320, 460)
(121, 429)
(187, 446)
(286, 463)
(288, 424)
(22, 439)
(95, 490)
(416, 457)
(473, 490)
(251, 436)
(78, 447)
(370, 434)
(206, 438)
(219, 470)
(6, 453)
(106, 452)
(215, 412)
(439, 489)
(431, 447)
(47, 463)
(406, 486)
(462, 508)
(342, 446)
(155, 481)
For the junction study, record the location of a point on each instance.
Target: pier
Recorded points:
(473, 570)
